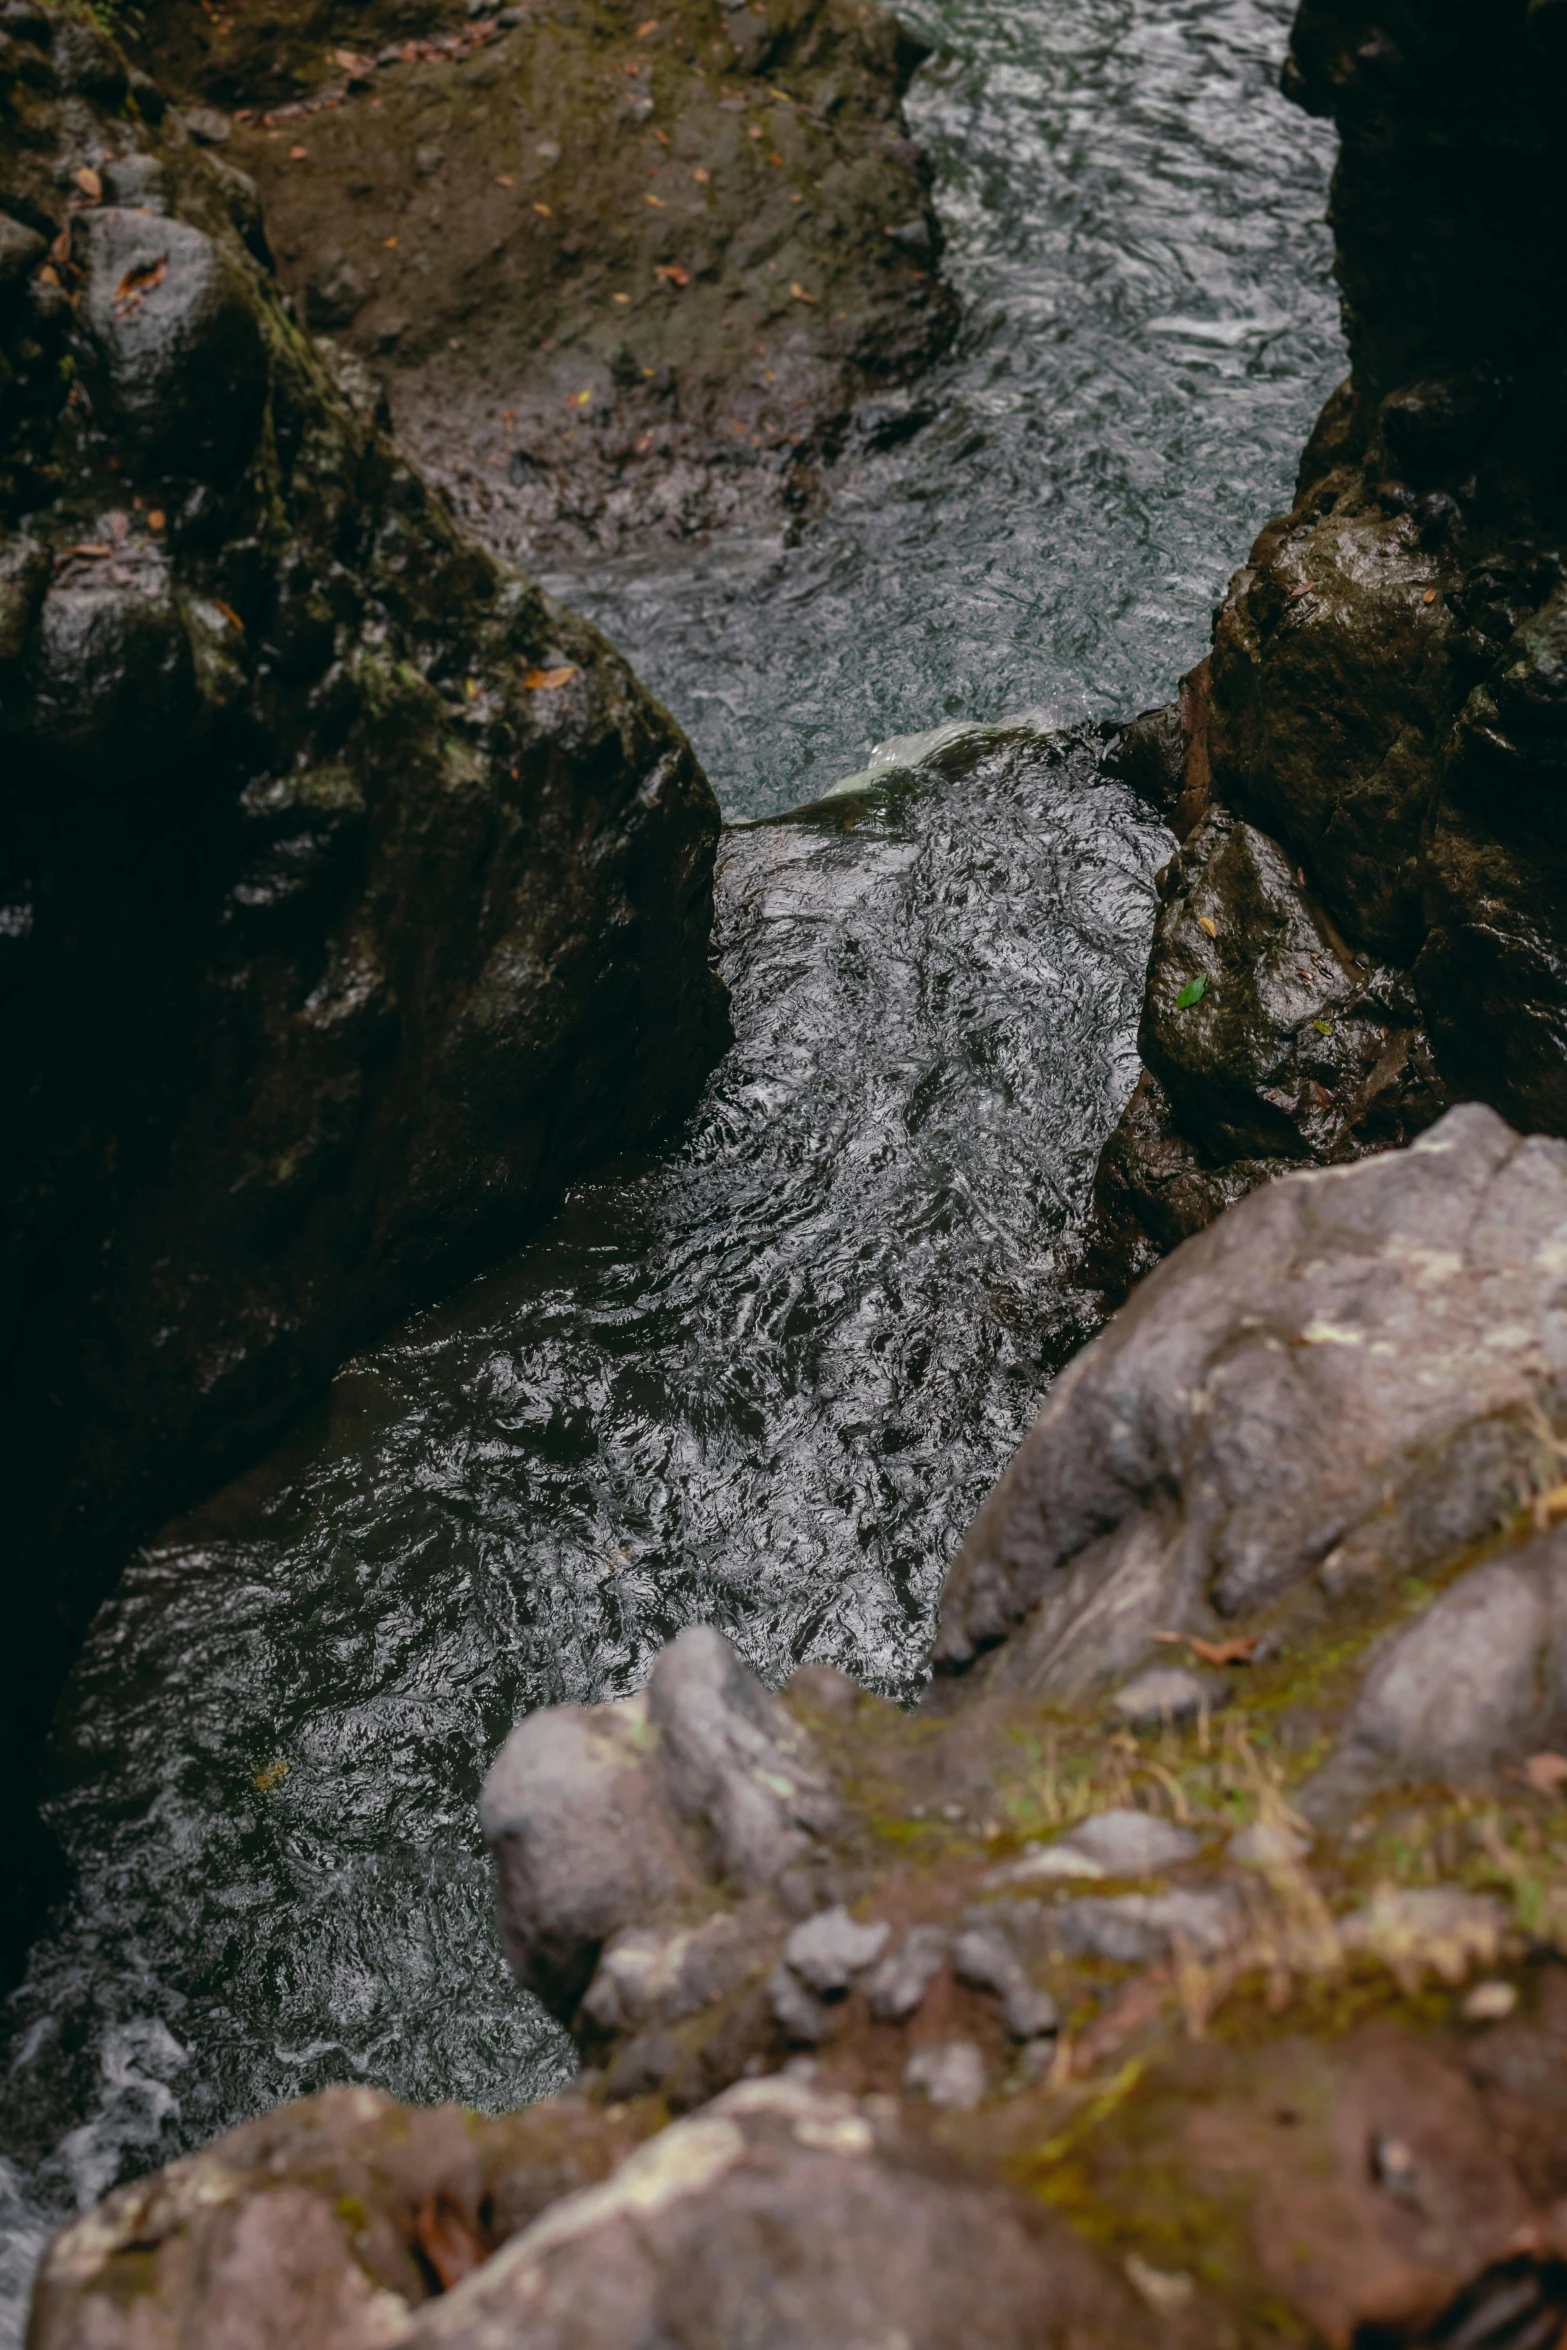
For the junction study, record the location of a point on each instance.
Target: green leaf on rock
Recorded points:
(1323, 1027)
(1192, 993)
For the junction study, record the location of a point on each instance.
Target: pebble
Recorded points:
(902, 1979)
(952, 2075)
(827, 1950)
(1126, 1843)
(1168, 1693)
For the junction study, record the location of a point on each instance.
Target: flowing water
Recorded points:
(765, 1377)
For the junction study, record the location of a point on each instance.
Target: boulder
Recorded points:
(353, 895)
(1345, 1380)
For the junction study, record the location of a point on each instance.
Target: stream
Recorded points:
(764, 1377)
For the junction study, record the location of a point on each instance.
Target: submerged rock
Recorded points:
(352, 894)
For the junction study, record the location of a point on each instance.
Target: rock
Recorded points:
(800, 2016)
(1268, 1844)
(735, 1759)
(1169, 1693)
(1478, 1680)
(324, 2223)
(1137, 1929)
(984, 1959)
(901, 1981)
(774, 2215)
(951, 2074)
(1131, 1843)
(826, 1951)
(333, 948)
(533, 134)
(1421, 1929)
(1292, 1049)
(598, 1815)
(1399, 1317)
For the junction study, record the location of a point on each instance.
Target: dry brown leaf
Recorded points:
(503, 179)
(49, 275)
(700, 172)
(671, 273)
(620, 297)
(1206, 922)
(60, 250)
(95, 548)
(229, 614)
(543, 211)
(1545, 1773)
(657, 202)
(89, 183)
(649, 26)
(137, 284)
(546, 680)
(1237, 1650)
(298, 154)
(390, 244)
(801, 295)
(448, 2239)
(1429, 597)
(157, 519)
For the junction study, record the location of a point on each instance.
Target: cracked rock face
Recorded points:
(1350, 1376)
(352, 894)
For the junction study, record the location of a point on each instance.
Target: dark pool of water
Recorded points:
(765, 1378)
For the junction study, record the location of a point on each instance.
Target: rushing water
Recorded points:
(1134, 219)
(765, 1377)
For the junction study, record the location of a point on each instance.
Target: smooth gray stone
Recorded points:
(1135, 1929)
(1168, 1693)
(902, 1979)
(1479, 1680)
(1131, 1843)
(827, 1950)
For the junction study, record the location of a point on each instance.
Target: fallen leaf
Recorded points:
(137, 283)
(544, 211)
(1323, 1027)
(700, 172)
(470, 686)
(1429, 597)
(801, 295)
(656, 201)
(49, 275)
(89, 183)
(671, 273)
(270, 1775)
(753, 130)
(95, 548)
(298, 154)
(157, 519)
(1545, 1773)
(1234, 1651)
(775, 159)
(503, 179)
(448, 2239)
(644, 444)
(1550, 1506)
(1192, 993)
(1207, 922)
(60, 250)
(229, 614)
(545, 680)
(650, 26)
(581, 399)
(620, 297)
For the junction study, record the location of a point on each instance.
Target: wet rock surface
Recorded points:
(354, 894)
(1383, 710)
(626, 276)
